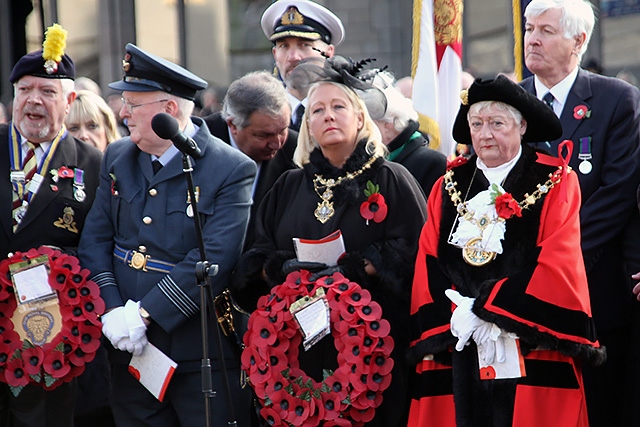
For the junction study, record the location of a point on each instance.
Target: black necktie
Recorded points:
(548, 99)
(297, 117)
(156, 165)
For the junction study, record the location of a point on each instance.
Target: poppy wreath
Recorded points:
(65, 355)
(347, 396)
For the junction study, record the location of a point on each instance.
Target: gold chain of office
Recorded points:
(473, 253)
(324, 189)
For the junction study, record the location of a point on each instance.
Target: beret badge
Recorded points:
(464, 97)
(53, 47)
(126, 65)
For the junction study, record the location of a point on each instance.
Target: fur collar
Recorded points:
(349, 191)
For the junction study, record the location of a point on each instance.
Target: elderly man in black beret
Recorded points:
(35, 201)
(142, 249)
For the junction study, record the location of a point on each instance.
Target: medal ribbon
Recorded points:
(15, 150)
(585, 148)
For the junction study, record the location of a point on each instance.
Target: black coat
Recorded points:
(270, 170)
(288, 211)
(424, 163)
(608, 191)
(38, 226)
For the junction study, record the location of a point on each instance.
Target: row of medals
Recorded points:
(34, 184)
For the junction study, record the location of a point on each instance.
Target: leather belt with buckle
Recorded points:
(139, 260)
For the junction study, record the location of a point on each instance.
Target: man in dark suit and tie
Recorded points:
(299, 29)
(141, 246)
(39, 206)
(254, 119)
(601, 115)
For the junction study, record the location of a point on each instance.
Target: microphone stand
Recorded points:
(204, 271)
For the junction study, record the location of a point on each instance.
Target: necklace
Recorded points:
(473, 252)
(324, 189)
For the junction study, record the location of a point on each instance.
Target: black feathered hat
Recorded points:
(542, 123)
(347, 72)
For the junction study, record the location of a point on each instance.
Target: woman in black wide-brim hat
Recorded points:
(502, 243)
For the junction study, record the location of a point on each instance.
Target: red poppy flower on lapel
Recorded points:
(375, 207)
(581, 112)
(65, 172)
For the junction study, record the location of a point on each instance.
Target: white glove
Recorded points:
(491, 347)
(463, 321)
(114, 325)
(135, 324)
(134, 347)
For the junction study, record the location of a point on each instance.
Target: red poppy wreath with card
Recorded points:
(47, 338)
(347, 396)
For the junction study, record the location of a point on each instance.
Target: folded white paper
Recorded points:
(512, 367)
(326, 250)
(153, 369)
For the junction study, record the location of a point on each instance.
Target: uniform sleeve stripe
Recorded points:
(177, 296)
(105, 279)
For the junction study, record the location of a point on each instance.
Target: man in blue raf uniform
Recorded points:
(141, 245)
(38, 206)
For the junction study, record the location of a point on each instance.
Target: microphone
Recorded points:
(166, 127)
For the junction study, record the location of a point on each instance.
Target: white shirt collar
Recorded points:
(189, 130)
(499, 173)
(560, 91)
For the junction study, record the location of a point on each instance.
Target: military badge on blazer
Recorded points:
(67, 221)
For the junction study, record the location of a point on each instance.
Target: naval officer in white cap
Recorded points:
(300, 29)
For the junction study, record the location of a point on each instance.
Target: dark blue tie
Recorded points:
(156, 165)
(548, 99)
(297, 117)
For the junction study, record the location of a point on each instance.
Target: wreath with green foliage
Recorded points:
(347, 396)
(63, 357)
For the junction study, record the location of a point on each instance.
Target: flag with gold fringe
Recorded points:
(436, 67)
(519, 68)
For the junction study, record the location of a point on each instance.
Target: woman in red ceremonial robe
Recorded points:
(500, 296)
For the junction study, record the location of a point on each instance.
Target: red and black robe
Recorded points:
(537, 289)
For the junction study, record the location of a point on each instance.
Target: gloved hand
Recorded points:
(464, 323)
(294, 265)
(114, 325)
(135, 324)
(326, 272)
(491, 345)
(134, 347)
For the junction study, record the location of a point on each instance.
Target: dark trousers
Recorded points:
(606, 386)
(183, 403)
(35, 407)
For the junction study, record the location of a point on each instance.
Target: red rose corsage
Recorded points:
(507, 206)
(581, 112)
(375, 207)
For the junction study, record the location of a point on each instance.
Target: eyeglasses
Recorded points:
(130, 107)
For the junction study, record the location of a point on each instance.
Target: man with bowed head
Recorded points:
(601, 115)
(254, 119)
(31, 213)
(142, 247)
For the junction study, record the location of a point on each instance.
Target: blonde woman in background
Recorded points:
(92, 121)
